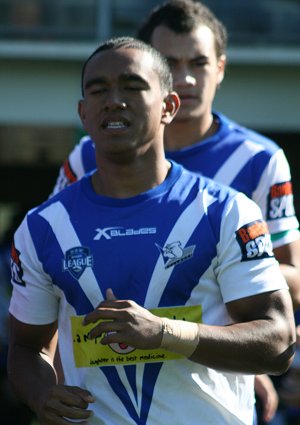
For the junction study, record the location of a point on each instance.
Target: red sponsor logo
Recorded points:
(252, 231)
(255, 241)
(280, 201)
(281, 189)
(71, 176)
(16, 267)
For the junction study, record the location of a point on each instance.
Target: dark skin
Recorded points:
(288, 257)
(127, 126)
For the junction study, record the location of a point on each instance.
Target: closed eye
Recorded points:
(97, 91)
(200, 61)
(135, 88)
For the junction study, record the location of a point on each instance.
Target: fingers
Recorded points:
(270, 408)
(84, 395)
(105, 328)
(110, 295)
(109, 309)
(66, 402)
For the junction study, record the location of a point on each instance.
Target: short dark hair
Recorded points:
(160, 64)
(182, 17)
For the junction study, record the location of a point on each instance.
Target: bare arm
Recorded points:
(33, 377)
(260, 341)
(288, 257)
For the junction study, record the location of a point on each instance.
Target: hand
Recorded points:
(264, 388)
(126, 322)
(65, 402)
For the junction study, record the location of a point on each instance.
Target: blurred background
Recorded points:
(43, 44)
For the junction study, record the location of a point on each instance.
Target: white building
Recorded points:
(43, 44)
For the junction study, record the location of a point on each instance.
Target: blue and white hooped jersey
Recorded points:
(188, 242)
(235, 156)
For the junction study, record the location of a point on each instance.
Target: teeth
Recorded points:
(114, 125)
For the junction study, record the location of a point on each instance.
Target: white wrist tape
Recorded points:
(179, 336)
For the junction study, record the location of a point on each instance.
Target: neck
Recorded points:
(183, 133)
(127, 180)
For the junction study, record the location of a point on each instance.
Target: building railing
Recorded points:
(255, 22)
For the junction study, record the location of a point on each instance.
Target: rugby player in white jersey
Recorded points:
(162, 283)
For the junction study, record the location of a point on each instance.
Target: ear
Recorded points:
(221, 69)
(170, 106)
(81, 111)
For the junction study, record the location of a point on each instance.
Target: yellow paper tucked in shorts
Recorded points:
(91, 353)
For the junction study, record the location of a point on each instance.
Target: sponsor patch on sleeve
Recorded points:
(16, 267)
(280, 201)
(70, 175)
(255, 241)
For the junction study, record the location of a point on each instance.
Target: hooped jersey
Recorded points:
(183, 249)
(234, 156)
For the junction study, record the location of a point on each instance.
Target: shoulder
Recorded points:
(206, 186)
(83, 148)
(237, 133)
(86, 141)
(68, 195)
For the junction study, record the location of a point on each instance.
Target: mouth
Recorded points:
(184, 97)
(116, 124)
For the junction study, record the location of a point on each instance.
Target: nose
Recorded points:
(114, 101)
(184, 78)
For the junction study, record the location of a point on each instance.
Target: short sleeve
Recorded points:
(246, 263)
(33, 298)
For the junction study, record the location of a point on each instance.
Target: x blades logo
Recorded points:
(174, 254)
(118, 231)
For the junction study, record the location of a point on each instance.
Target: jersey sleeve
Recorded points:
(33, 299)
(73, 167)
(274, 195)
(246, 263)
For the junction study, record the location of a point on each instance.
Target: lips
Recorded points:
(187, 96)
(115, 124)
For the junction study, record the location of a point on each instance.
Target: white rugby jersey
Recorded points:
(235, 156)
(190, 244)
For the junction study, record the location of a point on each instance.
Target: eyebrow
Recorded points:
(93, 82)
(123, 78)
(195, 58)
(133, 78)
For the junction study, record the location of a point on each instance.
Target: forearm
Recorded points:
(261, 339)
(31, 375)
(253, 348)
(288, 257)
(292, 277)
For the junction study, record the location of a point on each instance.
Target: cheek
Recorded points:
(209, 83)
(92, 111)
(152, 120)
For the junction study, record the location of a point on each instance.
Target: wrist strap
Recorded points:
(179, 336)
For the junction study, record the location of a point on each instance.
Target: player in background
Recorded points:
(143, 233)
(194, 42)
